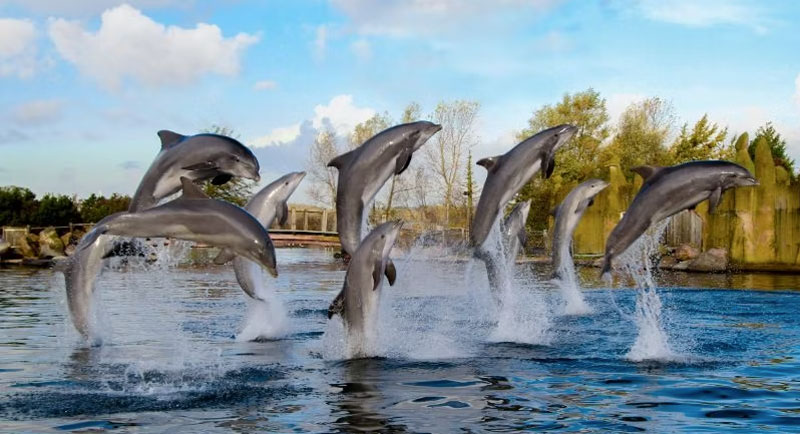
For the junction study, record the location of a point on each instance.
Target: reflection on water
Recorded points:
(171, 359)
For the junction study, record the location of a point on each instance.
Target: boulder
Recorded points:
(715, 260)
(66, 239)
(681, 266)
(686, 252)
(50, 244)
(70, 249)
(26, 247)
(4, 247)
(667, 262)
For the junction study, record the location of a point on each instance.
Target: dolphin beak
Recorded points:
(753, 181)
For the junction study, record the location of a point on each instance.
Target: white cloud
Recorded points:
(265, 85)
(17, 47)
(704, 13)
(130, 45)
(320, 42)
(277, 136)
(361, 49)
(414, 17)
(38, 112)
(341, 115)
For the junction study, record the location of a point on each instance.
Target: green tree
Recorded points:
(641, 135)
(94, 208)
(776, 144)
(705, 141)
(365, 130)
(56, 210)
(576, 161)
(238, 190)
(18, 206)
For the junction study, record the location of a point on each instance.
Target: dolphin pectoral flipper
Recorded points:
(282, 214)
(583, 205)
(390, 272)
(714, 200)
(169, 138)
(205, 165)
(403, 160)
(548, 164)
(224, 257)
(337, 305)
(221, 179)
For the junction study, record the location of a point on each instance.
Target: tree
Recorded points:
(18, 205)
(56, 210)
(577, 160)
(776, 144)
(94, 208)
(705, 141)
(641, 135)
(323, 178)
(445, 156)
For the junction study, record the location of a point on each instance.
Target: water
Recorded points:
(171, 361)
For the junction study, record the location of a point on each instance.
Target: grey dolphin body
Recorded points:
(364, 170)
(200, 157)
(567, 215)
(357, 303)
(80, 272)
(668, 191)
(266, 205)
(508, 173)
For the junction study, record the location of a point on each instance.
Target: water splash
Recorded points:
(266, 318)
(652, 342)
(570, 289)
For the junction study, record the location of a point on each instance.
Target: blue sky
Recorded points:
(85, 85)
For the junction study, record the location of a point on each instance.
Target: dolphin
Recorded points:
(669, 190)
(80, 271)
(567, 215)
(508, 173)
(194, 217)
(357, 303)
(266, 205)
(199, 158)
(364, 170)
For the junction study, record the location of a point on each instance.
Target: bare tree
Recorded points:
(323, 178)
(445, 156)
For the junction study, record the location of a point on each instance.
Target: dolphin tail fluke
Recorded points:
(337, 305)
(224, 257)
(390, 272)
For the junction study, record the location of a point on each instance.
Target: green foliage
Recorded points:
(236, 191)
(94, 208)
(18, 206)
(56, 210)
(776, 144)
(641, 136)
(705, 141)
(576, 161)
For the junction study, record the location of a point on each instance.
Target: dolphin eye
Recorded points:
(286, 183)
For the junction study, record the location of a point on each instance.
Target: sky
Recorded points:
(86, 84)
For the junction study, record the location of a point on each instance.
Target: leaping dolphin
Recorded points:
(357, 303)
(199, 158)
(508, 173)
(191, 217)
(668, 191)
(364, 170)
(567, 215)
(266, 205)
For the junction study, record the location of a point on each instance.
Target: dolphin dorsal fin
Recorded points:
(488, 162)
(343, 160)
(646, 171)
(169, 138)
(191, 190)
